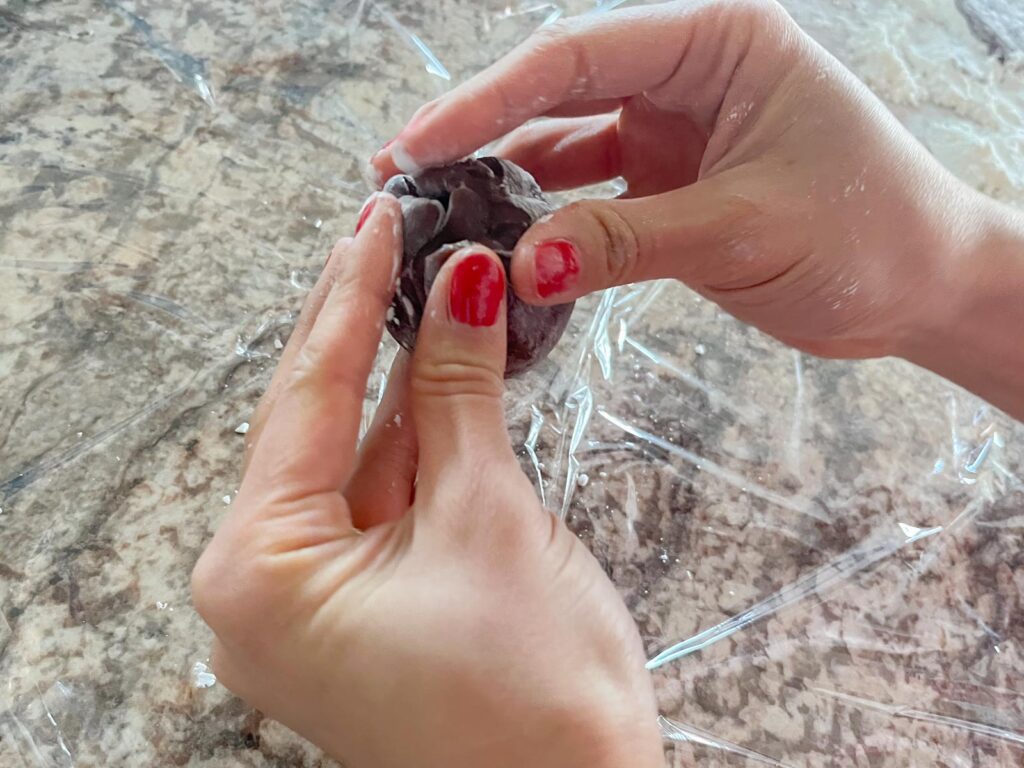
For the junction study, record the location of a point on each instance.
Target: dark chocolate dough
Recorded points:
(487, 201)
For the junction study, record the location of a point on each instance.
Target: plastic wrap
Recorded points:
(823, 558)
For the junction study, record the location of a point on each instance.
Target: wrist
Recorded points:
(972, 315)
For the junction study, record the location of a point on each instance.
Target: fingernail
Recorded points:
(373, 177)
(410, 126)
(477, 288)
(556, 266)
(381, 151)
(417, 118)
(365, 213)
(403, 160)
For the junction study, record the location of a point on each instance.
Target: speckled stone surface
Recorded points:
(837, 547)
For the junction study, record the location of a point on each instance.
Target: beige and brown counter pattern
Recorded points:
(824, 559)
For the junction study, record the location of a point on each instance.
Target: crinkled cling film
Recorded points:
(823, 558)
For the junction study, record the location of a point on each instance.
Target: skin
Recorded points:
(760, 172)
(407, 601)
(465, 627)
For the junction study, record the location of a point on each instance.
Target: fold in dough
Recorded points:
(487, 201)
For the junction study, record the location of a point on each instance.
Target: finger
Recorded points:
(309, 440)
(458, 366)
(566, 153)
(689, 50)
(381, 486)
(300, 332)
(694, 234)
(585, 108)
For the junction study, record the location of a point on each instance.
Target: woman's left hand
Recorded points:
(410, 602)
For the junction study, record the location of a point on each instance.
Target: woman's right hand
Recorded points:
(759, 170)
(410, 602)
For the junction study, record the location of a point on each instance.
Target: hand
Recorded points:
(465, 627)
(759, 171)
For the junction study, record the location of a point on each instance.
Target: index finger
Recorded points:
(599, 57)
(300, 332)
(309, 441)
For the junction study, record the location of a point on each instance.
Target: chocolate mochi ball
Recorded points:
(487, 201)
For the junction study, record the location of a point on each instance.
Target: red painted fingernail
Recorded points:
(365, 213)
(556, 266)
(477, 288)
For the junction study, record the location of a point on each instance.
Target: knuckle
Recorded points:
(760, 15)
(508, 99)
(552, 36)
(561, 40)
(358, 288)
(325, 359)
(358, 295)
(210, 584)
(308, 380)
(457, 378)
(317, 381)
(315, 367)
(619, 241)
(754, 8)
(321, 370)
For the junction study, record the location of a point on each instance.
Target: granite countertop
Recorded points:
(827, 556)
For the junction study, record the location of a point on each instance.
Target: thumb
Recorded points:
(457, 377)
(596, 244)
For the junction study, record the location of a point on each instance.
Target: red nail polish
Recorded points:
(477, 288)
(556, 266)
(365, 213)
